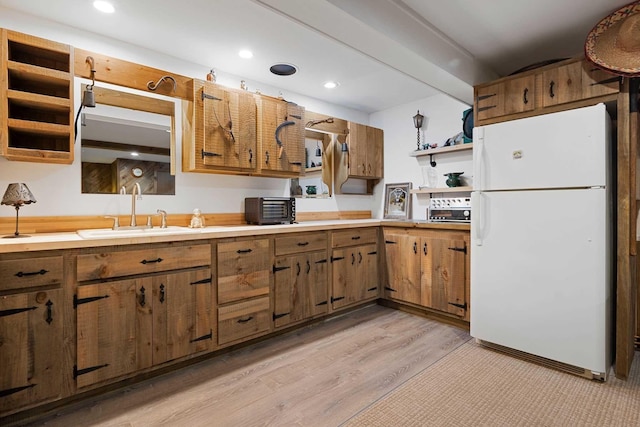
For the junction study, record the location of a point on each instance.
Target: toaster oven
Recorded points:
(270, 210)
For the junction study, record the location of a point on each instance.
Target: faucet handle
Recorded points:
(163, 220)
(116, 222)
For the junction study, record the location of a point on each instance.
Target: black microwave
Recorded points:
(269, 210)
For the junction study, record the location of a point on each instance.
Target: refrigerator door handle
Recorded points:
(476, 219)
(478, 150)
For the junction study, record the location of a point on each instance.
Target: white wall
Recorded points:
(443, 119)
(57, 187)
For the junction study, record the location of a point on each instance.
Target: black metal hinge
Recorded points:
(203, 281)
(77, 372)
(390, 242)
(207, 96)
(459, 249)
(12, 311)
(10, 391)
(372, 253)
(375, 288)
(77, 301)
(337, 258)
(210, 154)
(336, 299)
(462, 306)
(322, 261)
(605, 81)
(387, 288)
(279, 268)
(278, 316)
(204, 337)
(321, 303)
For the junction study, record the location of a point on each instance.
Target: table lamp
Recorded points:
(17, 194)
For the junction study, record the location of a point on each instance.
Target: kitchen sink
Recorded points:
(107, 233)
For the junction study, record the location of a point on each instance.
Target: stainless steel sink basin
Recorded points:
(107, 233)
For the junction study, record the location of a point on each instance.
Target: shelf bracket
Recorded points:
(431, 161)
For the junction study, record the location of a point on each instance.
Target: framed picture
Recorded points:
(397, 201)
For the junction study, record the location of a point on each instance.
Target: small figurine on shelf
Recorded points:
(197, 220)
(211, 77)
(243, 85)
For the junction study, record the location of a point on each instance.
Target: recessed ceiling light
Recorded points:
(283, 69)
(104, 6)
(246, 54)
(331, 85)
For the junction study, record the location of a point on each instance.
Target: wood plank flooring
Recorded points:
(321, 375)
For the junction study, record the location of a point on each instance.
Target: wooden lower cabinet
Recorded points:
(244, 319)
(354, 266)
(127, 325)
(428, 268)
(300, 283)
(31, 348)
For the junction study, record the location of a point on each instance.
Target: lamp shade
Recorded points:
(18, 194)
(417, 120)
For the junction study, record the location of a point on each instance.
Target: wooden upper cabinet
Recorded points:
(280, 137)
(366, 147)
(562, 84)
(36, 99)
(567, 84)
(219, 130)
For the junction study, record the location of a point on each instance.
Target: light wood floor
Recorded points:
(321, 375)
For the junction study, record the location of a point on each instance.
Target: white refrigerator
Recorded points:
(541, 227)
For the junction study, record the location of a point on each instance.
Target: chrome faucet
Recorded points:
(133, 202)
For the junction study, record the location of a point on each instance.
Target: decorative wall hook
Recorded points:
(154, 86)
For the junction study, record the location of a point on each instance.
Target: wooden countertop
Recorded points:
(52, 241)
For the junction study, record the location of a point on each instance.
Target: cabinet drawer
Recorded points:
(297, 243)
(127, 263)
(243, 319)
(30, 272)
(356, 236)
(243, 269)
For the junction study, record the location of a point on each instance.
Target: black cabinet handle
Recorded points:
(161, 292)
(424, 249)
(297, 268)
(266, 156)
(142, 297)
(551, 85)
(245, 320)
(524, 96)
(31, 273)
(359, 258)
(151, 261)
(353, 258)
(49, 318)
(415, 247)
(308, 267)
(244, 251)
(250, 155)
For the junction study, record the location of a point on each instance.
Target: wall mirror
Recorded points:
(127, 139)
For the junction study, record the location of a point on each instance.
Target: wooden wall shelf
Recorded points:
(441, 150)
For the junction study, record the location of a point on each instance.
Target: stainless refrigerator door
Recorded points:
(568, 149)
(540, 277)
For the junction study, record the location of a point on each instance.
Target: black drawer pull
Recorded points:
(551, 85)
(525, 100)
(248, 319)
(31, 273)
(355, 238)
(303, 243)
(244, 251)
(151, 261)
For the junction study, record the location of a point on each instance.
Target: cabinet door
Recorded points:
(229, 132)
(489, 101)
(287, 307)
(519, 95)
(375, 152)
(357, 149)
(31, 348)
(403, 267)
(367, 274)
(343, 275)
(443, 274)
(271, 113)
(114, 330)
(597, 82)
(562, 84)
(181, 314)
(292, 157)
(315, 268)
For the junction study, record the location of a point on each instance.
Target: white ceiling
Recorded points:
(383, 52)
